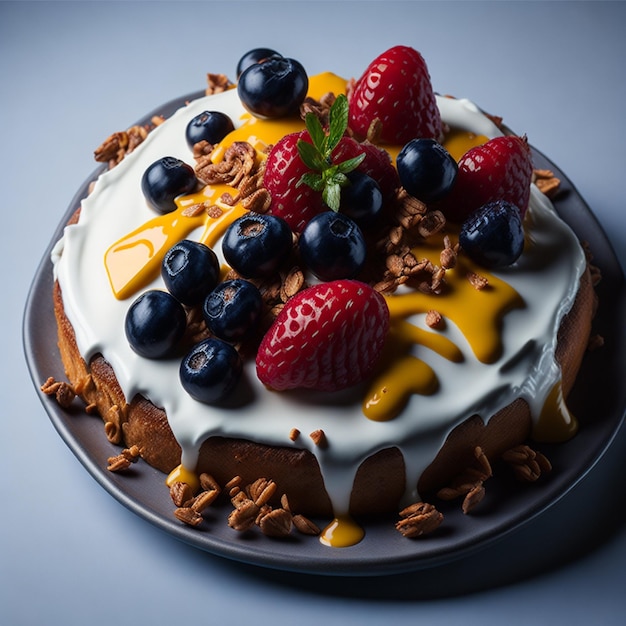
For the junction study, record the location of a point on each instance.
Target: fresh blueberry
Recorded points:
(155, 323)
(254, 56)
(332, 246)
(232, 311)
(273, 88)
(362, 199)
(210, 370)
(190, 270)
(493, 236)
(211, 126)
(256, 244)
(165, 180)
(426, 169)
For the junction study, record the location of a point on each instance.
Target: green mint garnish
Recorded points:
(326, 176)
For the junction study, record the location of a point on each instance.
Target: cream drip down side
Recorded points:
(546, 278)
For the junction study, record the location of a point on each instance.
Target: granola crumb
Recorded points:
(319, 438)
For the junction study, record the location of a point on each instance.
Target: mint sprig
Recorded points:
(326, 176)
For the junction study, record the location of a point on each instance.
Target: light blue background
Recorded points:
(72, 73)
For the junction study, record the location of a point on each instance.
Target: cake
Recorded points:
(439, 365)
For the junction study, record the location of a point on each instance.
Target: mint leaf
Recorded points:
(332, 196)
(326, 176)
(310, 156)
(313, 180)
(316, 132)
(337, 122)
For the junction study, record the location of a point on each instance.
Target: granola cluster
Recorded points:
(251, 506)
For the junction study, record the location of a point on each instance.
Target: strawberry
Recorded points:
(327, 337)
(284, 168)
(396, 89)
(500, 169)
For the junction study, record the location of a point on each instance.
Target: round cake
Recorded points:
(377, 389)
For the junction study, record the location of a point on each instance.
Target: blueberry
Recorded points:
(426, 169)
(362, 199)
(254, 56)
(210, 370)
(155, 323)
(273, 88)
(190, 271)
(165, 180)
(493, 236)
(332, 246)
(255, 245)
(232, 311)
(211, 126)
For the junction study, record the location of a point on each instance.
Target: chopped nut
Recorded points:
(293, 283)
(204, 499)
(294, 433)
(319, 438)
(261, 491)
(419, 519)
(527, 464)
(63, 392)
(473, 497)
(217, 83)
(244, 516)
(180, 493)
(305, 526)
(276, 523)
(434, 319)
(477, 281)
(188, 516)
(123, 460)
(546, 182)
(208, 483)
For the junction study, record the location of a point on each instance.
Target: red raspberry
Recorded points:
(396, 89)
(500, 169)
(327, 337)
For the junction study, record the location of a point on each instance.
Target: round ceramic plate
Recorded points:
(599, 402)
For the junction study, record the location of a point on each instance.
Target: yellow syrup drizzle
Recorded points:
(181, 474)
(555, 424)
(135, 260)
(342, 532)
(477, 313)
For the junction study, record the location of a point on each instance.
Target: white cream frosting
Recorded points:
(526, 368)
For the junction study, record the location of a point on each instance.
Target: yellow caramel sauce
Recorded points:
(342, 532)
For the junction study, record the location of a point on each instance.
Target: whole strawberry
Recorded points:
(284, 168)
(500, 169)
(328, 337)
(396, 89)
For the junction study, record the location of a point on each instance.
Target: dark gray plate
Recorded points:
(599, 402)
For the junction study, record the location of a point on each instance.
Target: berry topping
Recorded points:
(255, 245)
(190, 271)
(327, 337)
(211, 126)
(396, 89)
(361, 199)
(210, 370)
(165, 180)
(284, 168)
(332, 246)
(493, 236)
(254, 56)
(500, 169)
(273, 88)
(232, 310)
(427, 170)
(155, 323)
